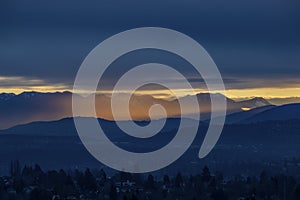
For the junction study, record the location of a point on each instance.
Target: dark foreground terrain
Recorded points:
(257, 160)
(242, 148)
(36, 184)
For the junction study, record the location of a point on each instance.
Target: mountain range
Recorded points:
(56, 144)
(65, 127)
(265, 133)
(34, 106)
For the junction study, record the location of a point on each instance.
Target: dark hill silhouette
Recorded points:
(280, 113)
(244, 115)
(56, 144)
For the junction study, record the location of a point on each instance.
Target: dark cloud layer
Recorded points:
(48, 40)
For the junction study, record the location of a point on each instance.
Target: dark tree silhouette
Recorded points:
(15, 169)
(206, 174)
(178, 180)
(166, 180)
(150, 183)
(113, 195)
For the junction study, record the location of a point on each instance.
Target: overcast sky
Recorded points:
(254, 44)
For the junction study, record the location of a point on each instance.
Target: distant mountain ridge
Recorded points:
(282, 101)
(279, 113)
(35, 106)
(57, 145)
(264, 133)
(6, 96)
(65, 126)
(242, 116)
(255, 102)
(265, 113)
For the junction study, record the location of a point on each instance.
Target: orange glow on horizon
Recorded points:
(165, 94)
(230, 93)
(266, 93)
(19, 84)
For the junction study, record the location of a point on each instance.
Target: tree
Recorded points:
(178, 180)
(133, 197)
(205, 174)
(15, 169)
(27, 171)
(150, 183)
(90, 182)
(218, 194)
(125, 176)
(263, 184)
(219, 178)
(297, 192)
(166, 180)
(38, 194)
(102, 176)
(113, 195)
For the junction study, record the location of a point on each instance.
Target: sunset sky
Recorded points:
(256, 45)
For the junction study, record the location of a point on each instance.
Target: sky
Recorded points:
(255, 44)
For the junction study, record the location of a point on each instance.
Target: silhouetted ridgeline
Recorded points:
(242, 148)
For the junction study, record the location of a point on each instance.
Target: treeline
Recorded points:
(31, 182)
